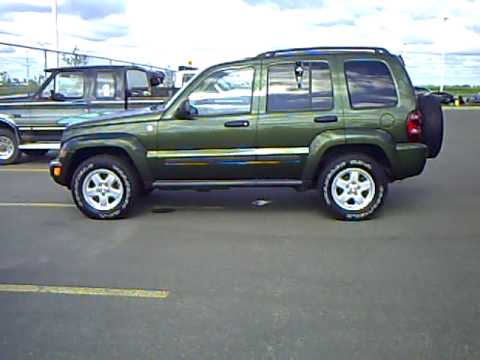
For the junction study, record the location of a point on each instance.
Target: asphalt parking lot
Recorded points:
(282, 281)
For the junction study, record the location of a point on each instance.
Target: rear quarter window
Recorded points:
(370, 84)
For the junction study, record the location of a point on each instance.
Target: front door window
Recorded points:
(69, 85)
(225, 92)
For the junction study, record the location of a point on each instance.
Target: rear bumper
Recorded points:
(411, 160)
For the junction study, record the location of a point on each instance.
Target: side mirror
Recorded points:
(185, 111)
(156, 80)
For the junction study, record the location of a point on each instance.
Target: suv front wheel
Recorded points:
(352, 187)
(104, 187)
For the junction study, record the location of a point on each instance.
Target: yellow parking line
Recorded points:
(24, 170)
(39, 205)
(89, 291)
(461, 108)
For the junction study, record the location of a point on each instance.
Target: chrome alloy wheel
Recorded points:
(353, 189)
(103, 190)
(7, 148)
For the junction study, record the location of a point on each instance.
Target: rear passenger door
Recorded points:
(372, 99)
(298, 105)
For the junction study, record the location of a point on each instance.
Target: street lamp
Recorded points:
(55, 19)
(443, 56)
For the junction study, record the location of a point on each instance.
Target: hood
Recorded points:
(99, 118)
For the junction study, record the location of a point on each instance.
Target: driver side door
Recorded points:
(217, 142)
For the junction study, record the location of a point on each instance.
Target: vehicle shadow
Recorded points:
(399, 202)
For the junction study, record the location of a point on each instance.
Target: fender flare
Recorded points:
(9, 123)
(320, 144)
(339, 138)
(124, 142)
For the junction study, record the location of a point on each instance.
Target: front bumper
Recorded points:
(57, 172)
(411, 160)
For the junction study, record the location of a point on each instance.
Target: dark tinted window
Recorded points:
(288, 92)
(370, 84)
(322, 94)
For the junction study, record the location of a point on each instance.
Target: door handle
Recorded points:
(237, 123)
(326, 119)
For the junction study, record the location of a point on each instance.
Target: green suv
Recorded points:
(344, 121)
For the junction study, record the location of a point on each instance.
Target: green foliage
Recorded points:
(456, 90)
(18, 89)
(75, 60)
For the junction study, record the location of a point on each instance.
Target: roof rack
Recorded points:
(294, 51)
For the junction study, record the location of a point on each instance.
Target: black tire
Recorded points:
(35, 153)
(432, 125)
(125, 173)
(15, 155)
(367, 165)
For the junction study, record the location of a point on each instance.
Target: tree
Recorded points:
(75, 59)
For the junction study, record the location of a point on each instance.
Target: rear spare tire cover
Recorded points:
(432, 124)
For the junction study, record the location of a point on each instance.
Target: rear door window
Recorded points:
(370, 84)
(300, 86)
(105, 85)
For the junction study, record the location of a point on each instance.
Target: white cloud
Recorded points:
(173, 32)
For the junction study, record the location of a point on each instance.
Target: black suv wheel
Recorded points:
(352, 187)
(104, 187)
(9, 153)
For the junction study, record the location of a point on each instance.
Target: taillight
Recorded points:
(414, 126)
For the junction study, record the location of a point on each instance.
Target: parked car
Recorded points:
(344, 121)
(474, 99)
(30, 124)
(444, 97)
(421, 90)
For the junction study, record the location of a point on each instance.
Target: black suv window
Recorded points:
(370, 84)
(299, 86)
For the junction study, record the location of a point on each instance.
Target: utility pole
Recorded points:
(443, 54)
(55, 19)
(28, 68)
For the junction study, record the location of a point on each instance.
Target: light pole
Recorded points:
(443, 55)
(55, 19)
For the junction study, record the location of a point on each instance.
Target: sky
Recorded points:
(169, 33)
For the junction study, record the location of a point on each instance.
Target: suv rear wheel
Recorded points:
(352, 187)
(105, 187)
(9, 153)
